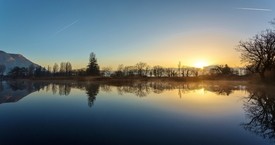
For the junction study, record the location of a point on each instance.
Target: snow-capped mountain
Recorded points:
(13, 60)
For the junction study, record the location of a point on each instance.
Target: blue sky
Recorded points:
(160, 32)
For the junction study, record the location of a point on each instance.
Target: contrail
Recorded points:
(66, 27)
(254, 9)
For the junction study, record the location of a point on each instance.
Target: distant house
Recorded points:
(240, 71)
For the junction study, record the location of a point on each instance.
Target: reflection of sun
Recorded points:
(200, 64)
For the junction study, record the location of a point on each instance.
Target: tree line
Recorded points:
(64, 69)
(140, 69)
(258, 54)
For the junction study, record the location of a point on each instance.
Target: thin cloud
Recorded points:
(254, 9)
(66, 27)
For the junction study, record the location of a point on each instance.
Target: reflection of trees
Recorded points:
(139, 89)
(106, 88)
(260, 110)
(92, 90)
(17, 85)
(13, 91)
(142, 89)
(64, 89)
(54, 88)
(225, 90)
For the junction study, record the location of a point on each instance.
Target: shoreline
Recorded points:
(138, 79)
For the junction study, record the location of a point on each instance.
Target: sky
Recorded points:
(158, 32)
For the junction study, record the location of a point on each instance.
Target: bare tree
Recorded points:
(195, 72)
(68, 68)
(106, 71)
(141, 66)
(170, 72)
(147, 70)
(119, 72)
(55, 68)
(259, 52)
(158, 71)
(62, 67)
(221, 70)
(129, 70)
(49, 69)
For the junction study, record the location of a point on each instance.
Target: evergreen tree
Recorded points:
(93, 67)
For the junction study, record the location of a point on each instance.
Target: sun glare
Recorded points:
(200, 64)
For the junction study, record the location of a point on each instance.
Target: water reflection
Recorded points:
(14, 91)
(144, 89)
(259, 103)
(260, 111)
(92, 90)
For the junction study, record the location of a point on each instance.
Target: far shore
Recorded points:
(136, 78)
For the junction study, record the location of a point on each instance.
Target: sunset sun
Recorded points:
(200, 64)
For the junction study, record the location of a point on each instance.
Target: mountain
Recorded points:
(13, 60)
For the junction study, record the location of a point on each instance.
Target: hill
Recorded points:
(13, 60)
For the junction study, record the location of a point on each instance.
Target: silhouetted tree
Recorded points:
(106, 71)
(62, 68)
(158, 71)
(49, 69)
(18, 72)
(141, 66)
(93, 67)
(195, 72)
(189, 71)
(129, 71)
(221, 70)
(119, 72)
(31, 70)
(80, 72)
(38, 71)
(55, 68)
(68, 68)
(259, 52)
(170, 72)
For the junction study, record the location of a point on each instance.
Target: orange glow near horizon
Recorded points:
(201, 64)
(214, 48)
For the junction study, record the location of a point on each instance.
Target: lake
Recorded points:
(157, 113)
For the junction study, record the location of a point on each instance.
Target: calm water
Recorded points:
(210, 113)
